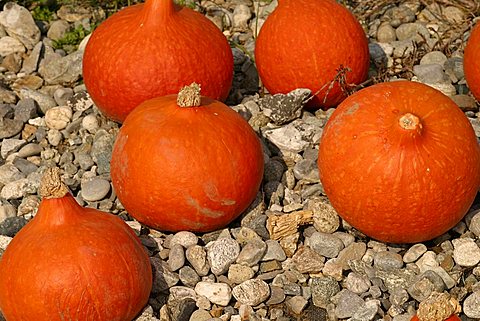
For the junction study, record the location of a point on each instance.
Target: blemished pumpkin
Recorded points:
(400, 162)
(471, 62)
(305, 43)
(153, 49)
(73, 263)
(186, 162)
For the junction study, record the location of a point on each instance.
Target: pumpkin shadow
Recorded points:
(245, 78)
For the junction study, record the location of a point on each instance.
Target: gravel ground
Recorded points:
(322, 269)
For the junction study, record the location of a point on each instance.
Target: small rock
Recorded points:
(217, 293)
(200, 315)
(13, 63)
(163, 278)
(277, 295)
(58, 29)
(275, 251)
(9, 45)
(90, 123)
(58, 117)
(181, 309)
(9, 173)
(412, 31)
(402, 48)
(11, 225)
(296, 304)
(454, 68)
(288, 138)
(58, 70)
(348, 304)
(28, 150)
(424, 284)
(430, 74)
(352, 252)
(184, 238)
(6, 211)
(19, 23)
(453, 14)
(252, 252)
(241, 16)
(466, 252)
(176, 257)
(386, 33)
(238, 273)
(465, 102)
(102, 151)
(30, 63)
(323, 288)
(282, 108)
(4, 241)
(10, 127)
(10, 145)
(471, 305)
(357, 283)
(54, 137)
(325, 218)
(18, 189)
(25, 109)
(73, 13)
(95, 189)
(414, 252)
(388, 261)
(197, 257)
(368, 311)
(44, 101)
(307, 260)
(251, 292)
(188, 276)
(63, 95)
(434, 57)
(306, 170)
(221, 254)
(446, 88)
(325, 244)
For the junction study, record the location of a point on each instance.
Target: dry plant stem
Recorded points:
(282, 226)
(189, 96)
(51, 185)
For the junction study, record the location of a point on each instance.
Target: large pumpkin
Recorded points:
(73, 263)
(400, 162)
(195, 165)
(471, 62)
(304, 44)
(153, 49)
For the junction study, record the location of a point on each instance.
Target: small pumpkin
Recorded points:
(471, 62)
(400, 162)
(305, 43)
(186, 162)
(150, 50)
(73, 263)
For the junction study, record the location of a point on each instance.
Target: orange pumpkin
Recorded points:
(454, 317)
(73, 263)
(304, 43)
(400, 162)
(153, 49)
(195, 165)
(471, 62)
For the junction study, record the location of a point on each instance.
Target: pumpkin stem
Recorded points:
(51, 185)
(189, 96)
(155, 10)
(410, 122)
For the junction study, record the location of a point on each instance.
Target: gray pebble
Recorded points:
(197, 256)
(58, 29)
(188, 276)
(357, 283)
(184, 238)
(454, 68)
(323, 288)
(296, 304)
(200, 315)
(434, 57)
(348, 304)
(414, 252)
(10, 127)
(95, 189)
(28, 150)
(163, 278)
(251, 292)
(471, 305)
(63, 95)
(474, 224)
(386, 33)
(25, 109)
(176, 257)
(368, 311)
(7, 210)
(25, 166)
(18, 189)
(9, 173)
(10, 145)
(352, 252)
(387, 261)
(307, 170)
(325, 244)
(102, 151)
(221, 253)
(276, 295)
(307, 260)
(430, 74)
(12, 225)
(412, 31)
(54, 137)
(252, 252)
(424, 284)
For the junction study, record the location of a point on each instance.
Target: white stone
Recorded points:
(217, 293)
(58, 117)
(466, 252)
(9, 45)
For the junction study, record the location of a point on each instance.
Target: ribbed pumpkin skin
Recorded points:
(390, 183)
(471, 62)
(153, 49)
(71, 263)
(302, 45)
(186, 168)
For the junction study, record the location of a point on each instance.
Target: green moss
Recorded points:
(72, 39)
(41, 13)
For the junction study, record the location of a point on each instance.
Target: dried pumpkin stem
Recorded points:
(410, 122)
(51, 185)
(189, 96)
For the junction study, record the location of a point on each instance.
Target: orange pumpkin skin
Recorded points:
(471, 62)
(186, 168)
(153, 49)
(74, 263)
(452, 318)
(303, 43)
(394, 184)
